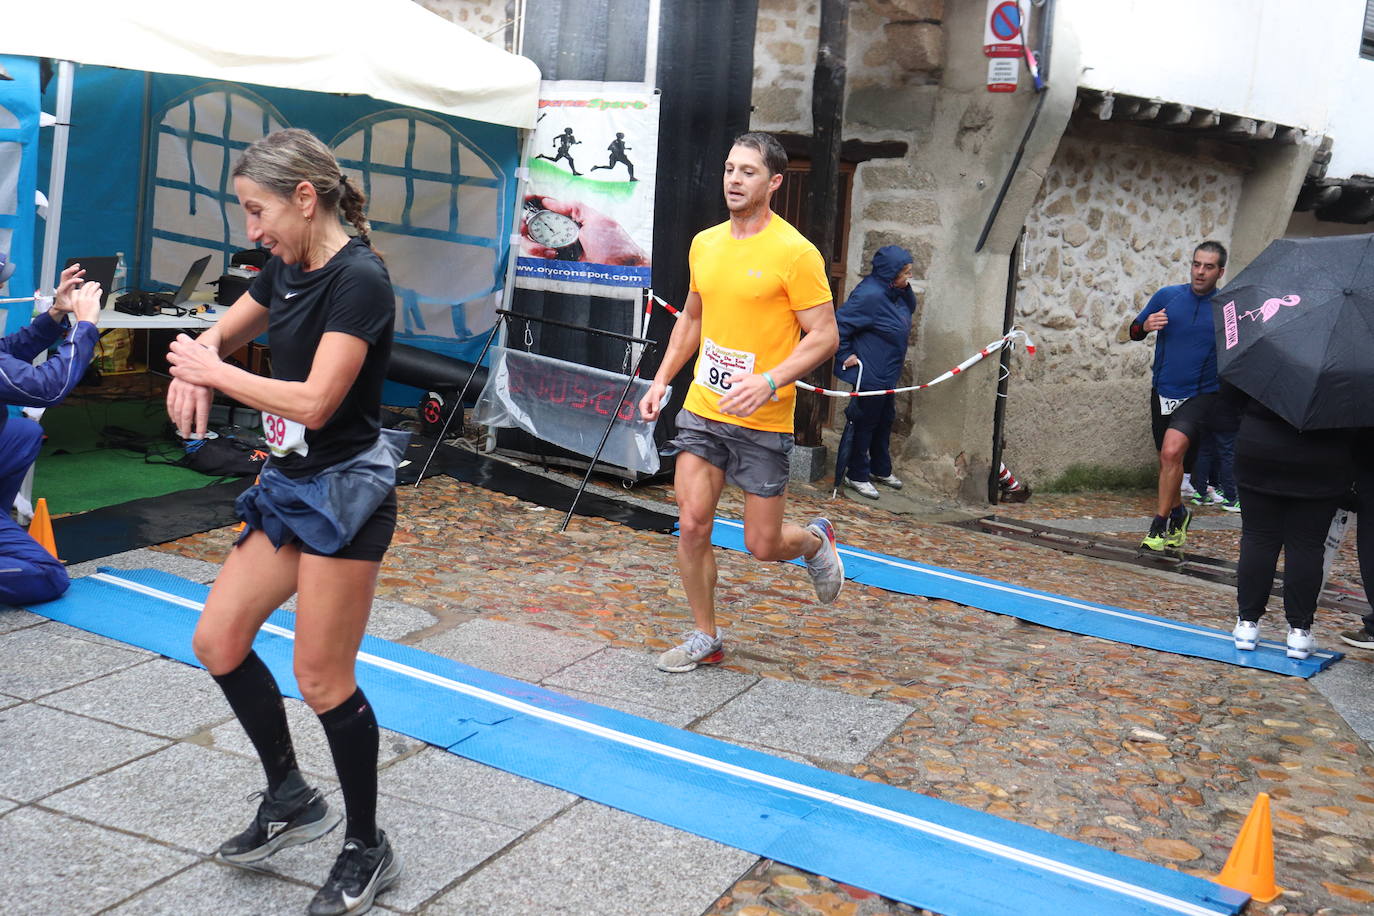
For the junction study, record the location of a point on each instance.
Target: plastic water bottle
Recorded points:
(121, 273)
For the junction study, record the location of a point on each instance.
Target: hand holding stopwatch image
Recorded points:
(571, 231)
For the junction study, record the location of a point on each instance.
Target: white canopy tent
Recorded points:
(390, 50)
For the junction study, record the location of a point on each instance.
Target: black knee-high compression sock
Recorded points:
(351, 728)
(253, 694)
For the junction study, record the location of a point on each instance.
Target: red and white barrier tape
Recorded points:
(1008, 341)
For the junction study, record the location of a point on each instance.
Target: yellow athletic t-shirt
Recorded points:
(749, 290)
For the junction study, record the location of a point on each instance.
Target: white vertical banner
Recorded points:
(588, 212)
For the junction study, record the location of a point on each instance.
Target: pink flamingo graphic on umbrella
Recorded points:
(1271, 307)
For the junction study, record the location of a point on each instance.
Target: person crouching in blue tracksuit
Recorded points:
(875, 322)
(28, 573)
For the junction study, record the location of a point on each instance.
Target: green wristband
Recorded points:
(771, 384)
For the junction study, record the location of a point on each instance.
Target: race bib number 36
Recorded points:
(718, 363)
(283, 436)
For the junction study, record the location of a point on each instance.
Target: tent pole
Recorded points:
(57, 176)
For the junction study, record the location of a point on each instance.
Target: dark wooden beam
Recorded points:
(827, 124)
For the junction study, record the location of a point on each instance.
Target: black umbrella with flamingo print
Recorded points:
(1295, 331)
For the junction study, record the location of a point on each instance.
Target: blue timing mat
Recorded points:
(896, 843)
(1135, 628)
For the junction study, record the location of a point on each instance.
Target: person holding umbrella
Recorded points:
(1291, 483)
(1363, 638)
(874, 325)
(1295, 337)
(1183, 385)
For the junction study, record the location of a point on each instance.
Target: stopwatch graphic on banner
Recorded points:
(587, 216)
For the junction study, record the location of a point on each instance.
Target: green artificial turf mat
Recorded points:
(78, 470)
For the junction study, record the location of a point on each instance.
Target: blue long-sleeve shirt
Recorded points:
(875, 322)
(25, 385)
(1185, 348)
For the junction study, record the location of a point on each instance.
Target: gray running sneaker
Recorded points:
(1360, 639)
(697, 649)
(826, 567)
(295, 814)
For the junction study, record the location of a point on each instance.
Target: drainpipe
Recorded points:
(1046, 35)
(999, 410)
(1013, 271)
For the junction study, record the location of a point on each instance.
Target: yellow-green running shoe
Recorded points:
(1155, 539)
(1177, 535)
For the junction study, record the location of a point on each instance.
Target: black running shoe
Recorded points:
(295, 814)
(359, 874)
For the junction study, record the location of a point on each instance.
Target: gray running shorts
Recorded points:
(754, 460)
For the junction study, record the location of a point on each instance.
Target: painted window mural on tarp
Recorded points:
(587, 216)
(18, 159)
(441, 195)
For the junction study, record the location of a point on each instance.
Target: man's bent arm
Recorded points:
(820, 340)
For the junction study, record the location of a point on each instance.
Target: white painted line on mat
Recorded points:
(1053, 599)
(1010, 853)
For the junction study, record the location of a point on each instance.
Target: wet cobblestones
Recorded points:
(1149, 754)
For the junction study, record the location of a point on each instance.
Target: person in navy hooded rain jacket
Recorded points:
(28, 573)
(875, 322)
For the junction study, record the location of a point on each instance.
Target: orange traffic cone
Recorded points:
(40, 529)
(1250, 867)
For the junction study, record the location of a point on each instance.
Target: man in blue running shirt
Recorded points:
(1183, 384)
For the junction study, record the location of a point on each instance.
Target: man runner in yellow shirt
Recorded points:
(760, 315)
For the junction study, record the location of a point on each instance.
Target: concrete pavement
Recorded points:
(120, 771)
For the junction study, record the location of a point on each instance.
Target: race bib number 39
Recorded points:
(718, 363)
(1169, 405)
(283, 436)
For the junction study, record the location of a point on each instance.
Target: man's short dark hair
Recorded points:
(767, 146)
(1215, 248)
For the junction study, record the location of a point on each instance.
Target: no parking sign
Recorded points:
(1002, 27)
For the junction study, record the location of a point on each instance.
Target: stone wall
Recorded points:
(1116, 219)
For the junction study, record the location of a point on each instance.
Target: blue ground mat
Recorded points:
(905, 577)
(900, 844)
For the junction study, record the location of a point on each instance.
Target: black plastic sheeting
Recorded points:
(144, 522)
(500, 477)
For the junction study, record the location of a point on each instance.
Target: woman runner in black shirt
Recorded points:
(326, 302)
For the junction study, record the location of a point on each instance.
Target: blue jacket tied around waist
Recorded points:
(875, 323)
(326, 509)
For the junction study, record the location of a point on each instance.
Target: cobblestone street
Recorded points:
(1153, 755)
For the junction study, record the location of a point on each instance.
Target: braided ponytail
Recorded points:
(353, 204)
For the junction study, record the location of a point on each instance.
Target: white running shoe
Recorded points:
(862, 487)
(1246, 634)
(891, 480)
(1185, 489)
(1300, 643)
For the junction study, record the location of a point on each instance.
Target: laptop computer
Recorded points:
(98, 270)
(138, 302)
(188, 284)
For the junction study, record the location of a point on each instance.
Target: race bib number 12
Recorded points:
(283, 436)
(1169, 405)
(718, 363)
